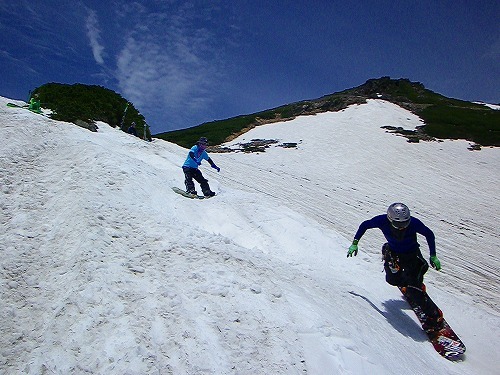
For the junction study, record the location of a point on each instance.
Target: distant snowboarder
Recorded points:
(34, 104)
(403, 262)
(190, 167)
(132, 130)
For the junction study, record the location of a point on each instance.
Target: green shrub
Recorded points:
(89, 103)
(480, 125)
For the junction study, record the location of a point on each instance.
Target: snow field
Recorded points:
(106, 271)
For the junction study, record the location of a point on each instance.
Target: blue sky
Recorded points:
(183, 63)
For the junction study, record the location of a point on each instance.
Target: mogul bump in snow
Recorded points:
(403, 262)
(190, 167)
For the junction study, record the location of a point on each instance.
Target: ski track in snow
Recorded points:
(105, 272)
(348, 187)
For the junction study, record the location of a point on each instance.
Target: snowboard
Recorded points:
(445, 340)
(24, 107)
(187, 195)
(17, 106)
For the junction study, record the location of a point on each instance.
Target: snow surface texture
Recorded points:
(105, 270)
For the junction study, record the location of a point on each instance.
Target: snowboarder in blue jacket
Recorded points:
(404, 264)
(190, 167)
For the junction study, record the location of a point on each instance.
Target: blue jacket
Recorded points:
(199, 155)
(404, 241)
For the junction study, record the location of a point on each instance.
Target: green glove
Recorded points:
(353, 249)
(435, 263)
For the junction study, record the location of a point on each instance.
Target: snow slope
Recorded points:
(104, 270)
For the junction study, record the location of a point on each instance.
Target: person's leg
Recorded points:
(414, 267)
(205, 188)
(391, 267)
(188, 181)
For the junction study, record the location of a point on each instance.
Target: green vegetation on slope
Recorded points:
(88, 103)
(482, 126)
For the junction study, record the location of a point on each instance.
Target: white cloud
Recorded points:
(93, 33)
(176, 70)
(174, 58)
(177, 81)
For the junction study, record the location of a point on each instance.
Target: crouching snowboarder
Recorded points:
(34, 104)
(190, 167)
(403, 262)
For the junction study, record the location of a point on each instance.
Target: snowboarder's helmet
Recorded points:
(203, 141)
(399, 215)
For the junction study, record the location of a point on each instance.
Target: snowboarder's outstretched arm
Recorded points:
(422, 229)
(212, 164)
(363, 227)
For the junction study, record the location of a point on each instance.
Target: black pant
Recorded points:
(195, 173)
(411, 267)
(407, 270)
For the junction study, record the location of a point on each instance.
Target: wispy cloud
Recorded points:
(171, 61)
(19, 63)
(93, 33)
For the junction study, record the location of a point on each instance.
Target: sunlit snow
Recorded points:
(104, 270)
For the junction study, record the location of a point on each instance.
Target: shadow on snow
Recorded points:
(396, 316)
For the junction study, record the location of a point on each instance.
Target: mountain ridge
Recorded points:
(445, 118)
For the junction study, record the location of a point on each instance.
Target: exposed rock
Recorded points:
(87, 125)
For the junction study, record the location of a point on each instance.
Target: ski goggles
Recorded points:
(400, 224)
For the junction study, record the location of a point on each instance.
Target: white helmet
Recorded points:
(399, 215)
